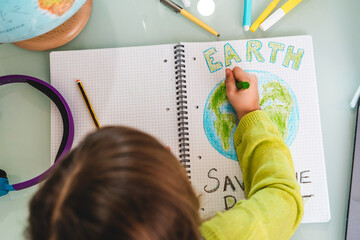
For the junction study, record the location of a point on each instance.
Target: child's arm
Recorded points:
(274, 207)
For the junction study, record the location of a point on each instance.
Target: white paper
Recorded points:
(126, 86)
(213, 171)
(136, 87)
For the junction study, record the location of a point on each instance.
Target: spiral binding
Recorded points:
(181, 98)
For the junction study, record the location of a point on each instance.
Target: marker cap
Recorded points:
(242, 85)
(274, 18)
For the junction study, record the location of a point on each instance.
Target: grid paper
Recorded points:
(112, 77)
(126, 86)
(307, 148)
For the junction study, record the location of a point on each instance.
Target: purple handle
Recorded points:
(27, 79)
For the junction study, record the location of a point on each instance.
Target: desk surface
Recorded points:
(25, 114)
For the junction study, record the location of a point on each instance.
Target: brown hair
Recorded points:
(119, 183)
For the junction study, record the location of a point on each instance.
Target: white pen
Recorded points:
(355, 99)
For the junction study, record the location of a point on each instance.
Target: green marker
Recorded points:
(242, 85)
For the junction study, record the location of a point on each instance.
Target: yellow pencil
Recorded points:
(176, 8)
(264, 15)
(199, 22)
(88, 104)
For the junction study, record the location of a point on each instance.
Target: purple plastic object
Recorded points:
(65, 111)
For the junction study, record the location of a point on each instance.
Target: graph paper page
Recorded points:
(126, 86)
(287, 86)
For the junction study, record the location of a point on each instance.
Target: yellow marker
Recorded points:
(176, 8)
(287, 7)
(280, 13)
(88, 105)
(264, 15)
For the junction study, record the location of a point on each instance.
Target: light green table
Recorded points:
(25, 114)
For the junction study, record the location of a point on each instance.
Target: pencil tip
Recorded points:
(218, 35)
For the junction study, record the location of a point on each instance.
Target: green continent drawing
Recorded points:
(276, 99)
(278, 103)
(225, 122)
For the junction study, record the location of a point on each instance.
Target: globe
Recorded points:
(276, 98)
(25, 19)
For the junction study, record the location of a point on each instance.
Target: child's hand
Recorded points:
(243, 101)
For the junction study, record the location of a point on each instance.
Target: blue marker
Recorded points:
(247, 14)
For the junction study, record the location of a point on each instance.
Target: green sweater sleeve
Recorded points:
(274, 207)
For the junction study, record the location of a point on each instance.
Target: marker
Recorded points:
(355, 99)
(187, 3)
(247, 15)
(242, 85)
(279, 14)
(176, 8)
(88, 105)
(264, 15)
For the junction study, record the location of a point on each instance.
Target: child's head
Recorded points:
(119, 183)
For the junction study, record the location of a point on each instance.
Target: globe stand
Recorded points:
(62, 34)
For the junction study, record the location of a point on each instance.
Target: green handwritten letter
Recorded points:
(253, 46)
(275, 48)
(295, 57)
(230, 54)
(213, 67)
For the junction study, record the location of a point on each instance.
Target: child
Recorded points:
(120, 183)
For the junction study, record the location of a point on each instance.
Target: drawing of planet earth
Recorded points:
(276, 98)
(25, 19)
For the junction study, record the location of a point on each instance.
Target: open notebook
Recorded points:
(176, 93)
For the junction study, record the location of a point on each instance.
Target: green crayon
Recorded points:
(242, 85)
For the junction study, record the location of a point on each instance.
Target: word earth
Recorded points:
(253, 48)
